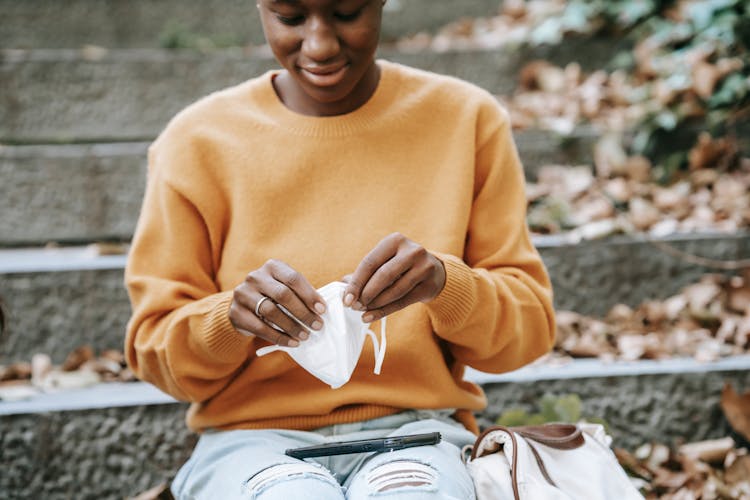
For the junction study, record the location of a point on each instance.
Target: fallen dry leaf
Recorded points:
(78, 357)
(738, 471)
(15, 371)
(711, 153)
(57, 380)
(710, 451)
(736, 409)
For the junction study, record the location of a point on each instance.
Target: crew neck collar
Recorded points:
(375, 108)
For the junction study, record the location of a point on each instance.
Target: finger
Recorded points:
(268, 312)
(304, 302)
(382, 253)
(400, 288)
(262, 306)
(247, 323)
(397, 305)
(386, 275)
(277, 317)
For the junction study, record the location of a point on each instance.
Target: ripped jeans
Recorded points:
(251, 464)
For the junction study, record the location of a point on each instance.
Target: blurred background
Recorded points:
(631, 119)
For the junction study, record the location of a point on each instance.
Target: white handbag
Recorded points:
(548, 462)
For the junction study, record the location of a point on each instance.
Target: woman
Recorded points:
(262, 193)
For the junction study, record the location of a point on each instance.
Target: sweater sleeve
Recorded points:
(179, 337)
(496, 309)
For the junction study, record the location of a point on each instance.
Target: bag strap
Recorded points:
(514, 458)
(558, 436)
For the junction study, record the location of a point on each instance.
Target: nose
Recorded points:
(321, 41)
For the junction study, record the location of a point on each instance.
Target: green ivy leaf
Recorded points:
(513, 417)
(568, 408)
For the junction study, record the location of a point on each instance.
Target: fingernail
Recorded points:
(293, 343)
(348, 299)
(367, 318)
(320, 307)
(358, 306)
(303, 335)
(317, 325)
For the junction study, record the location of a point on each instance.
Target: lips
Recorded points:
(324, 76)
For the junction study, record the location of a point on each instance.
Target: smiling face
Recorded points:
(327, 48)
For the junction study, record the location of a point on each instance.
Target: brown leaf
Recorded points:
(127, 375)
(666, 478)
(514, 8)
(542, 75)
(113, 355)
(739, 471)
(710, 451)
(16, 371)
(102, 366)
(638, 168)
(700, 295)
(709, 152)
(643, 214)
(58, 380)
(705, 77)
(609, 156)
(673, 198)
(633, 465)
(736, 409)
(78, 357)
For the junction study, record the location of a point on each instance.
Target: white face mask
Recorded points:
(331, 354)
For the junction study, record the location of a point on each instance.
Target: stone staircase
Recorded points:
(85, 85)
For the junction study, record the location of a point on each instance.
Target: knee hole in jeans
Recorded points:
(397, 474)
(284, 472)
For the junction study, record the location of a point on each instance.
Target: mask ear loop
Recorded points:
(379, 347)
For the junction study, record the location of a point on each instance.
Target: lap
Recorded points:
(424, 472)
(248, 464)
(252, 464)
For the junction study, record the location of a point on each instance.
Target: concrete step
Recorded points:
(144, 23)
(60, 299)
(60, 96)
(92, 192)
(116, 440)
(72, 193)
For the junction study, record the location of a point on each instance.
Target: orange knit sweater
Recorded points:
(237, 179)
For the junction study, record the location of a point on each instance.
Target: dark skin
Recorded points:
(327, 49)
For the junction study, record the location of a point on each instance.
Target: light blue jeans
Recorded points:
(251, 464)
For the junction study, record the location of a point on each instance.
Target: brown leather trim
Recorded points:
(514, 467)
(514, 461)
(558, 436)
(540, 463)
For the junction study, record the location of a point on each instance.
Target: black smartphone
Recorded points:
(365, 445)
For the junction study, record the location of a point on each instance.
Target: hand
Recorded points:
(284, 288)
(396, 273)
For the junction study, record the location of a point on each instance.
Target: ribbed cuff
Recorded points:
(220, 337)
(454, 303)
